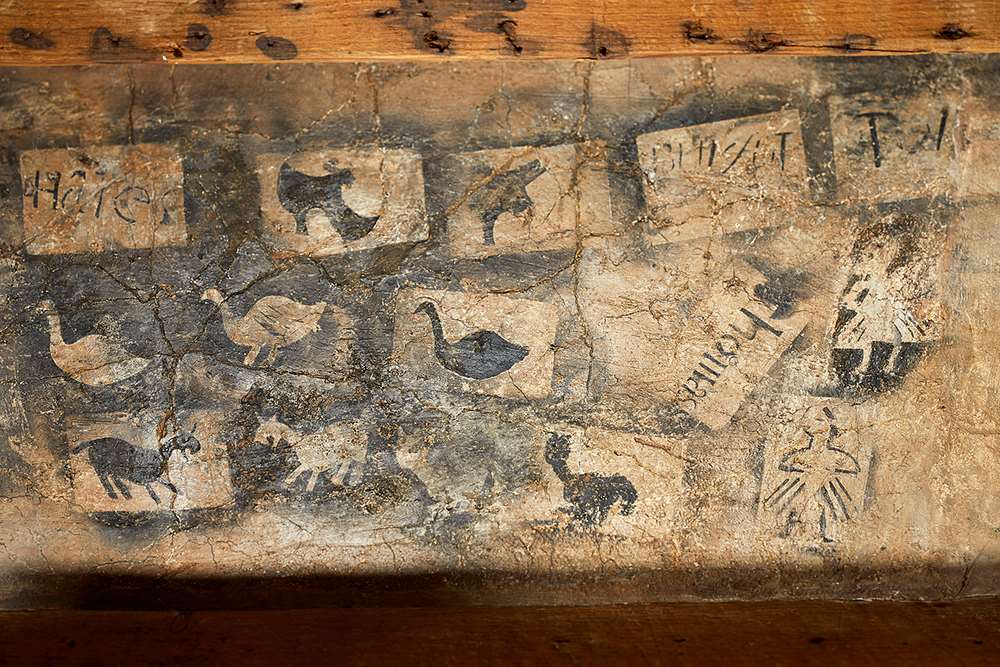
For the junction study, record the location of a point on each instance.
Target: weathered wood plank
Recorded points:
(56, 32)
(734, 633)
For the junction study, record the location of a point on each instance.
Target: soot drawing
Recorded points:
(505, 193)
(93, 360)
(590, 495)
(876, 338)
(337, 452)
(273, 322)
(478, 356)
(301, 193)
(117, 461)
(820, 470)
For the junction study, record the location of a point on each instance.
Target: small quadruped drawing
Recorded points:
(92, 360)
(337, 452)
(506, 192)
(819, 482)
(322, 201)
(478, 356)
(591, 495)
(273, 322)
(148, 460)
(116, 461)
(301, 193)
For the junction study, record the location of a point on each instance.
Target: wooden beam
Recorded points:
(731, 633)
(73, 32)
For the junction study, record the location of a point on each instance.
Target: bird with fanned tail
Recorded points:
(301, 193)
(93, 360)
(478, 356)
(273, 322)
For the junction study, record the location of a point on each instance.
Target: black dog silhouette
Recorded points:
(300, 193)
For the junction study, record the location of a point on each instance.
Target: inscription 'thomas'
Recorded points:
(729, 367)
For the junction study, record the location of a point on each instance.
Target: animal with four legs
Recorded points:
(478, 356)
(590, 495)
(117, 461)
(301, 193)
(338, 450)
(273, 322)
(505, 193)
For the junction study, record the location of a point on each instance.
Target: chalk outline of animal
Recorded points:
(153, 462)
(579, 489)
(836, 502)
(473, 350)
(80, 359)
(300, 193)
(506, 192)
(266, 324)
(312, 455)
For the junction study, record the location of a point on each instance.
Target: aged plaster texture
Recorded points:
(558, 330)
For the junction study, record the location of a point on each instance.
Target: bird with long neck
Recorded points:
(93, 359)
(478, 356)
(229, 318)
(273, 321)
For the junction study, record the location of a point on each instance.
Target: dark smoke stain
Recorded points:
(605, 42)
(509, 28)
(505, 26)
(277, 48)
(953, 32)
(29, 39)
(106, 46)
(437, 42)
(757, 41)
(198, 37)
(695, 31)
(882, 372)
(215, 7)
(425, 20)
(855, 42)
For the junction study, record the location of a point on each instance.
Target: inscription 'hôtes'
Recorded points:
(77, 200)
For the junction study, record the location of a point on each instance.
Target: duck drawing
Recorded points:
(273, 322)
(301, 193)
(93, 360)
(478, 356)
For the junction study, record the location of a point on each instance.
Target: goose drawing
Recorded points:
(478, 356)
(273, 322)
(93, 360)
(300, 193)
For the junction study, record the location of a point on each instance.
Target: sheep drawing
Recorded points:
(590, 495)
(117, 461)
(339, 449)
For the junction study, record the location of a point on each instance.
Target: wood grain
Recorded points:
(732, 633)
(60, 32)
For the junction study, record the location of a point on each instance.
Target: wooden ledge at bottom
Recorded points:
(731, 633)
